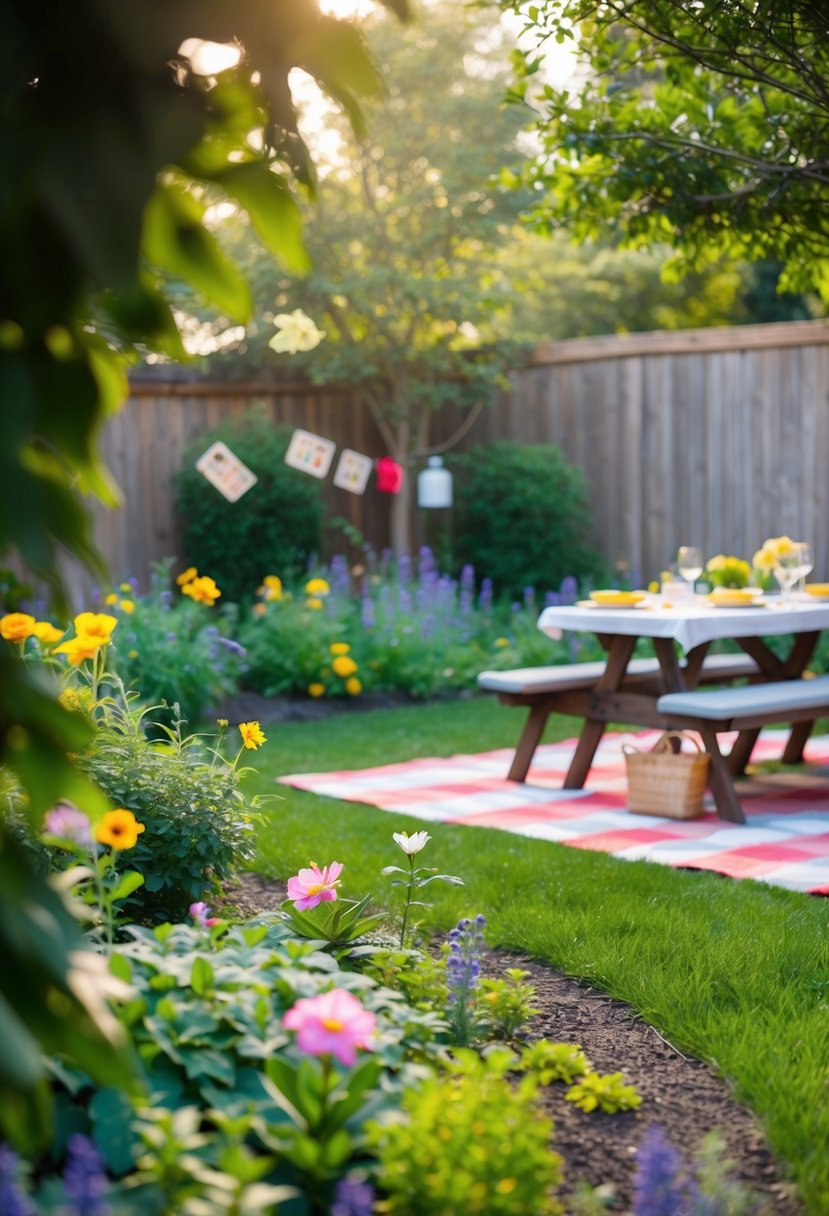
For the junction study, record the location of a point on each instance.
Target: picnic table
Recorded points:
(691, 627)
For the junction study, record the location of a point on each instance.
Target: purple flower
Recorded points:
(201, 915)
(367, 617)
(84, 1181)
(67, 823)
(13, 1201)
(352, 1198)
(661, 1184)
(233, 647)
(568, 590)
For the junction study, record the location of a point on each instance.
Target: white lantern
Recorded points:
(434, 485)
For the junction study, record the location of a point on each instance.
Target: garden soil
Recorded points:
(683, 1095)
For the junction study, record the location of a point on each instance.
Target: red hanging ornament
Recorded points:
(389, 475)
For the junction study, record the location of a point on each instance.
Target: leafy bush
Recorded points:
(468, 1142)
(276, 525)
(522, 515)
(174, 650)
(198, 825)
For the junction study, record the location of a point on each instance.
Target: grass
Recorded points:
(736, 973)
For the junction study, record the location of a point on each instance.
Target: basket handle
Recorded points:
(670, 741)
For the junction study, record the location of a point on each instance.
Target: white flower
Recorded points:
(411, 844)
(295, 331)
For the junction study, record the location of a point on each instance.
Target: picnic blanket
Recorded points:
(785, 840)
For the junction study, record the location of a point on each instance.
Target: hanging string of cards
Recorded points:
(309, 453)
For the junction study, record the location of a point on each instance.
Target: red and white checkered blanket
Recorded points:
(785, 840)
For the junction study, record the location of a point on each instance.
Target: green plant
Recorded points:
(538, 495)
(603, 1091)
(288, 645)
(554, 1061)
(198, 823)
(173, 650)
(490, 1155)
(276, 525)
(505, 1006)
(415, 878)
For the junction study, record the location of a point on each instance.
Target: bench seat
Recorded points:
(530, 681)
(714, 711)
(778, 701)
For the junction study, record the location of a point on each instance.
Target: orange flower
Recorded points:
(78, 649)
(17, 626)
(252, 735)
(46, 632)
(118, 829)
(203, 590)
(95, 625)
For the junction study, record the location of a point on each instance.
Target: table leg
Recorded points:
(618, 656)
(719, 779)
(799, 737)
(530, 738)
(740, 753)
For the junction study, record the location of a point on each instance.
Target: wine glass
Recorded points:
(689, 563)
(806, 563)
(789, 566)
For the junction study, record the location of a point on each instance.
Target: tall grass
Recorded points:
(736, 973)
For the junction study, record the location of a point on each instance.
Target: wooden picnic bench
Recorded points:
(712, 712)
(547, 690)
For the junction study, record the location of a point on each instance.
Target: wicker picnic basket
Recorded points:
(667, 781)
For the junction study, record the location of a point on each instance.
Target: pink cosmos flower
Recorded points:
(333, 1023)
(201, 915)
(312, 886)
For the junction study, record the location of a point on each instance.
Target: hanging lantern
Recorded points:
(434, 485)
(389, 475)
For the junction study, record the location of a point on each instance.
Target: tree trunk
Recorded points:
(400, 522)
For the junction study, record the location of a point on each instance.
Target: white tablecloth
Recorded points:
(689, 625)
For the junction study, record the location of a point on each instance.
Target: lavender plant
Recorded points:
(463, 969)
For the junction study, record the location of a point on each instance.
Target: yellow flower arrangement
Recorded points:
(726, 571)
(316, 690)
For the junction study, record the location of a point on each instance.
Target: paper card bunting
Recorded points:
(389, 475)
(225, 471)
(352, 471)
(310, 453)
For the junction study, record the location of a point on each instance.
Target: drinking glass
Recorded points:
(689, 563)
(788, 568)
(806, 563)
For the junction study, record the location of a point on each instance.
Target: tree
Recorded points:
(407, 279)
(109, 140)
(705, 126)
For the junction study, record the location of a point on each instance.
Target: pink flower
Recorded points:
(200, 913)
(333, 1023)
(311, 886)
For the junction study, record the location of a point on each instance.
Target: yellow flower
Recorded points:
(339, 647)
(203, 590)
(252, 736)
(69, 700)
(125, 587)
(96, 626)
(272, 587)
(46, 632)
(112, 598)
(316, 690)
(763, 560)
(127, 606)
(78, 649)
(502, 642)
(313, 603)
(222, 723)
(353, 686)
(779, 546)
(187, 576)
(132, 654)
(317, 586)
(259, 609)
(343, 666)
(17, 626)
(119, 829)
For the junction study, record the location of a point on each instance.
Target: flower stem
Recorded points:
(409, 890)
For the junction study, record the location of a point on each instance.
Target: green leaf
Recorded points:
(130, 881)
(176, 240)
(202, 975)
(273, 211)
(112, 1116)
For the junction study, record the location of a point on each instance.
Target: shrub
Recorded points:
(522, 516)
(171, 649)
(468, 1142)
(276, 525)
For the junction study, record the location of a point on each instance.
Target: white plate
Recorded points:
(738, 607)
(609, 607)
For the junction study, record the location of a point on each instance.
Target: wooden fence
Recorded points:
(716, 437)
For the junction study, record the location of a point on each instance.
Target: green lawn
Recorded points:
(736, 973)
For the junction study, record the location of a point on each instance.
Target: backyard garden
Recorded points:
(223, 991)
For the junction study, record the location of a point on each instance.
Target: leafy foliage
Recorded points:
(701, 126)
(539, 495)
(276, 525)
